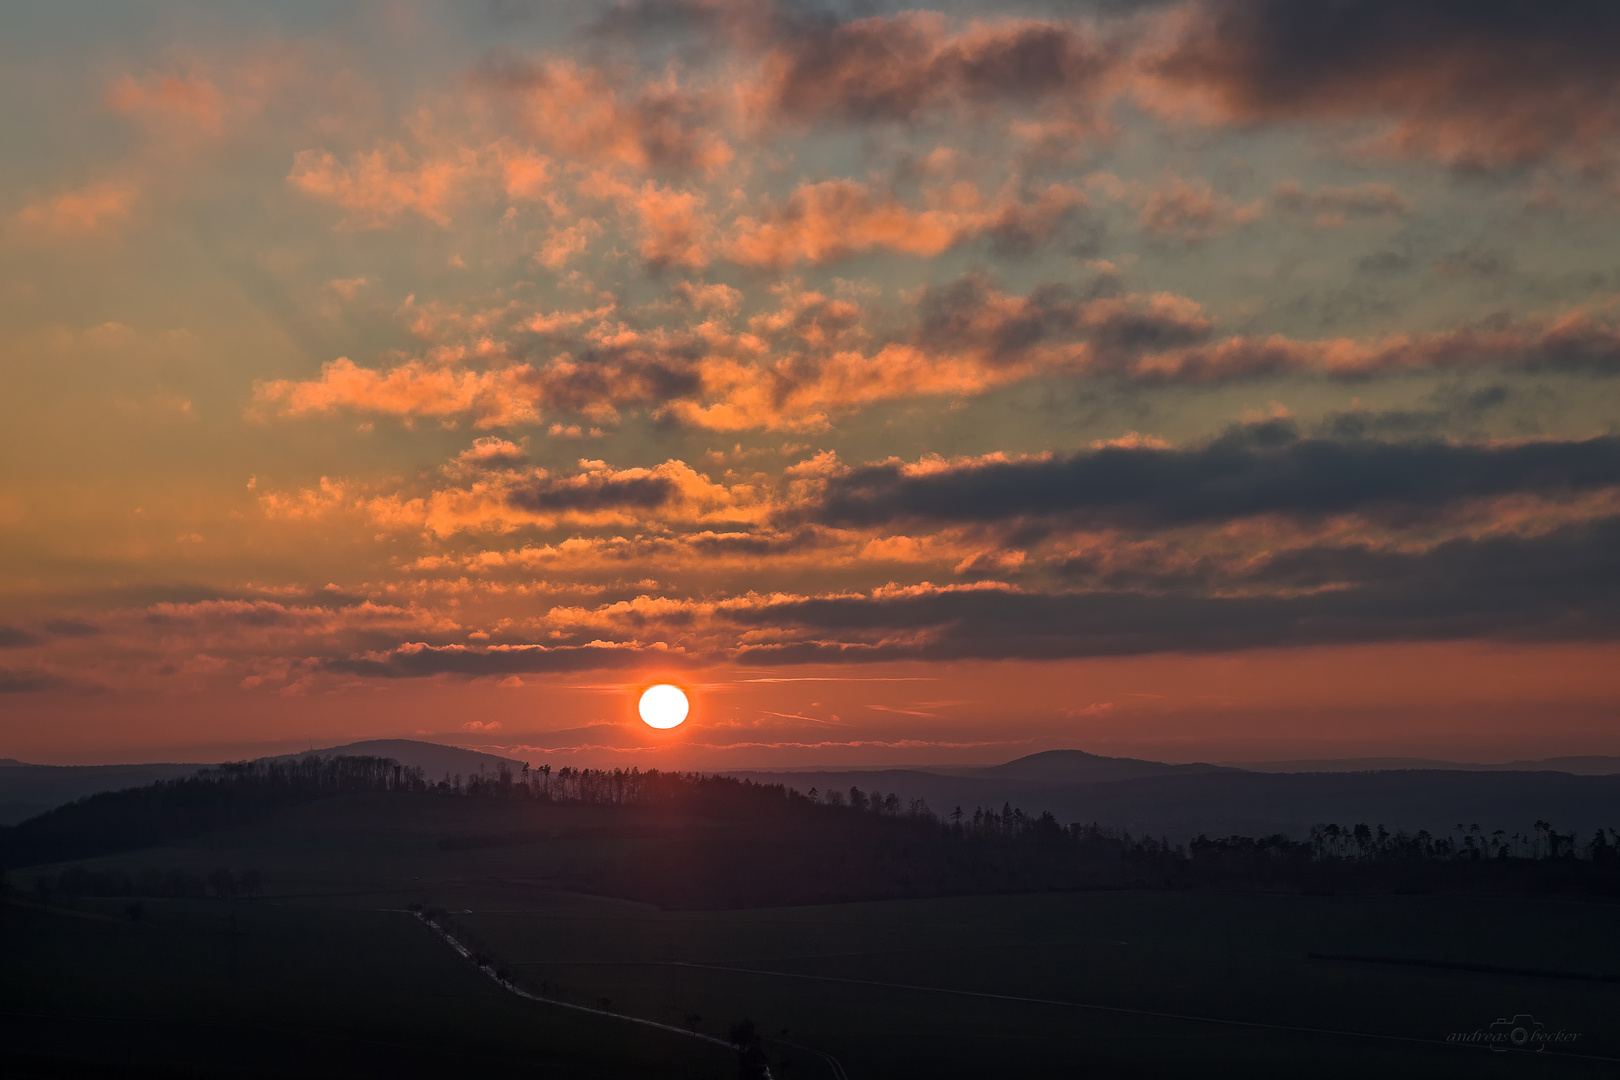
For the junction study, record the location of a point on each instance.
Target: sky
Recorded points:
(1205, 380)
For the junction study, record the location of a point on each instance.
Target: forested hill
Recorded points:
(711, 841)
(187, 806)
(27, 790)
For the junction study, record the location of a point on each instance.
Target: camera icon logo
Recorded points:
(1522, 1032)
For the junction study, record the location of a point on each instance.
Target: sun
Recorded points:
(664, 706)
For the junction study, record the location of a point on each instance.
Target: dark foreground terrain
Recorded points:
(279, 935)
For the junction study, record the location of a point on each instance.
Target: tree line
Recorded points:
(695, 840)
(226, 796)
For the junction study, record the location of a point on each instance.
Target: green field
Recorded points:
(206, 988)
(325, 973)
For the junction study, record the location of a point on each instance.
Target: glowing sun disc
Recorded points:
(663, 706)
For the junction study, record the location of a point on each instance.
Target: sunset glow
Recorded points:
(1188, 380)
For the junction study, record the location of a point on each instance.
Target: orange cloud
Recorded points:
(307, 504)
(790, 396)
(674, 227)
(494, 398)
(210, 96)
(578, 112)
(193, 99)
(820, 223)
(93, 208)
(380, 185)
(595, 495)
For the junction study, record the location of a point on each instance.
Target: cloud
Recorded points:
(30, 682)
(308, 504)
(71, 628)
(674, 227)
(14, 637)
(377, 186)
(192, 99)
(96, 207)
(1191, 211)
(900, 67)
(967, 338)
(584, 114)
(834, 219)
(491, 453)
(1575, 343)
(1474, 84)
(815, 357)
(1266, 468)
(1054, 327)
(596, 494)
(1333, 205)
(1475, 263)
(1482, 84)
(206, 100)
(416, 660)
(1556, 586)
(639, 489)
(249, 616)
(495, 398)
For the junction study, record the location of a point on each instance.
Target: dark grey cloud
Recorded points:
(895, 68)
(70, 628)
(1255, 469)
(970, 314)
(1383, 263)
(16, 637)
(1452, 407)
(29, 682)
(417, 660)
(1564, 585)
(619, 375)
(1158, 341)
(1475, 262)
(1482, 82)
(589, 491)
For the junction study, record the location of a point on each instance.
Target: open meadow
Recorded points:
(328, 968)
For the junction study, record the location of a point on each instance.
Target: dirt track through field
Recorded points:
(832, 1063)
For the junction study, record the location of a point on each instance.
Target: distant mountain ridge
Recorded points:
(1080, 766)
(1145, 796)
(434, 759)
(1582, 765)
(1182, 801)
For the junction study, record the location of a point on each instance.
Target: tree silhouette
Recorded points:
(751, 1060)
